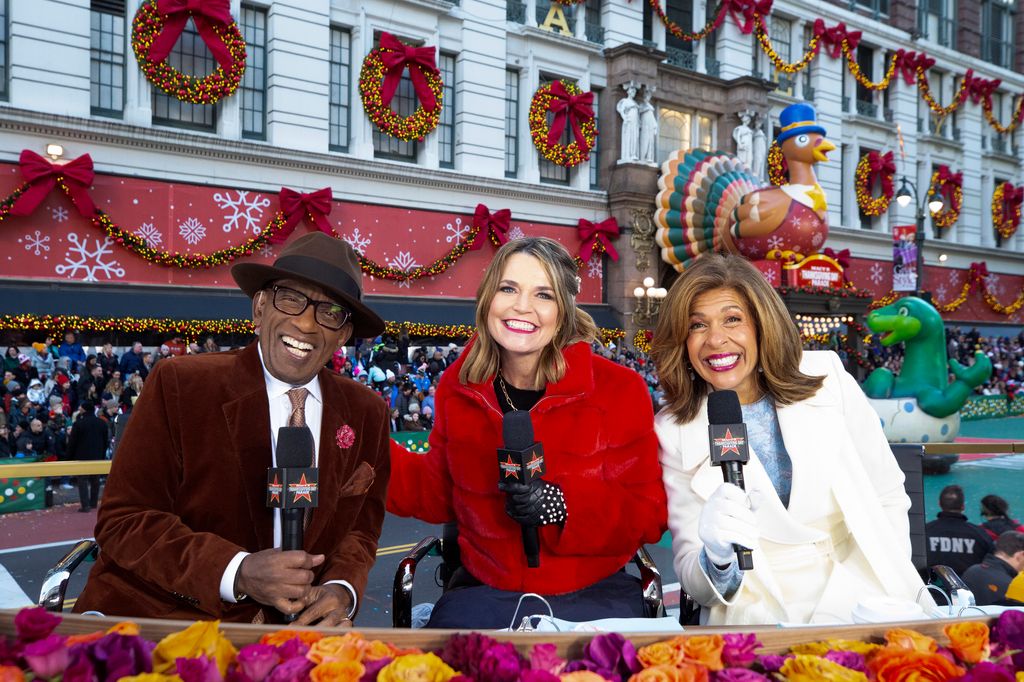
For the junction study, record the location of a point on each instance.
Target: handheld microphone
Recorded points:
(293, 485)
(521, 461)
(727, 435)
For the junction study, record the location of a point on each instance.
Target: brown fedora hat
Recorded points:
(322, 261)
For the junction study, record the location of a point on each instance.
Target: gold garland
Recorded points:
(854, 68)
(778, 173)
(1005, 225)
(945, 218)
(642, 340)
(1018, 115)
(973, 279)
(926, 93)
(780, 64)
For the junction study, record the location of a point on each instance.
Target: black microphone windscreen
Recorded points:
(724, 408)
(517, 429)
(294, 447)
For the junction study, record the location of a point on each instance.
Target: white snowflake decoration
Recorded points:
(877, 273)
(953, 278)
(60, 214)
(267, 251)
(192, 230)
(36, 243)
(244, 212)
(594, 267)
(775, 242)
(516, 233)
(79, 261)
(940, 292)
(458, 232)
(358, 242)
(771, 276)
(993, 285)
(152, 235)
(405, 262)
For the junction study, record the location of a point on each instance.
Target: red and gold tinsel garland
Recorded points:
(874, 168)
(854, 68)
(926, 94)
(567, 155)
(148, 25)
(1006, 203)
(642, 340)
(949, 186)
(417, 125)
(1018, 115)
(976, 276)
(776, 59)
(194, 329)
(778, 170)
(677, 31)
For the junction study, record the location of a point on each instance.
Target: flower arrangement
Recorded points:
(1006, 202)
(950, 186)
(874, 168)
(153, 36)
(571, 108)
(378, 81)
(201, 653)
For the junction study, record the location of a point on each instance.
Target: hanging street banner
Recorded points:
(904, 258)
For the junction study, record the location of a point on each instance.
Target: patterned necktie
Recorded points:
(297, 396)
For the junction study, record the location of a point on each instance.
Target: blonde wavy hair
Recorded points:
(778, 342)
(483, 357)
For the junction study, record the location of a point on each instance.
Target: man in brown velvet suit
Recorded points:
(184, 529)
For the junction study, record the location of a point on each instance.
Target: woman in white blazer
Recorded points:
(824, 511)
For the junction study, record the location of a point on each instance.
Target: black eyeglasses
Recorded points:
(327, 313)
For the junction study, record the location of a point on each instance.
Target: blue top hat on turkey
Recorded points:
(796, 119)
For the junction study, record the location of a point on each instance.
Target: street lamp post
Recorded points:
(906, 194)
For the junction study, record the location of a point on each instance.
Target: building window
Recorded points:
(106, 57)
(935, 21)
(781, 33)
(544, 6)
(446, 126)
(595, 157)
(190, 55)
(593, 30)
(878, 8)
(552, 172)
(865, 96)
(997, 32)
(705, 133)
(648, 29)
(404, 103)
(254, 83)
(680, 52)
(3, 49)
(341, 87)
(511, 123)
(673, 133)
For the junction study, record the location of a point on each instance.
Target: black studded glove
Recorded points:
(537, 503)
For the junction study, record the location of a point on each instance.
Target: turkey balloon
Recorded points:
(711, 201)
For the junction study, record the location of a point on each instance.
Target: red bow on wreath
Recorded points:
(883, 165)
(208, 15)
(592, 233)
(396, 55)
(977, 270)
(980, 88)
(1013, 197)
(908, 62)
(832, 38)
(841, 257)
(491, 224)
(948, 182)
(575, 108)
(41, 175)
(314, 206)
(743, 12)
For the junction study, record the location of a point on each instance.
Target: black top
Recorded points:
(522, 399)
(954, 542)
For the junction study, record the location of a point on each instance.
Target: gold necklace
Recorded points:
(504, 391)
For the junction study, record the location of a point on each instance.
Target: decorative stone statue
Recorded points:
(648, 127)
(743, 134)
(759, 152)
(629, 110)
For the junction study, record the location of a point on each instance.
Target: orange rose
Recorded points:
(684, 671)
(581, 676)
(125, 627)
(8, 673)
(910, 639)
(376, 650)
(892, 664)
(706, 650)
(660, 653)
(968, 640)
(83, 639)
(308, 637)
(347, 647)
(337, 671)
(806, 668)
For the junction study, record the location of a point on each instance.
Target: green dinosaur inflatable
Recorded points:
(918, 325)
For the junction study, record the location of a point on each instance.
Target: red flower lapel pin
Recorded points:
(345, 437)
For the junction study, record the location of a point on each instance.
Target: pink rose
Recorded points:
(47, 657)
(35, 623)
(345, 437)
(257, 660)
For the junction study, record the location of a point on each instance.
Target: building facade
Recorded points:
(207, 177)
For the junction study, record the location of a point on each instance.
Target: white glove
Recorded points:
(725, 520)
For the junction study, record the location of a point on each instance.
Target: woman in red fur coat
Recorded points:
(601, 497)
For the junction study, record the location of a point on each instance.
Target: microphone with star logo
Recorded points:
(521, 461)
(727, 436)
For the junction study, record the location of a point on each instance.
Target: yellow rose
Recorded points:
(660, 653)
(968, 640)
(910, 639)
(337, 671)
(151, 677)
(416, 668)
(706, 650)
(581, 676)
(125, 627)
(804, 668)
(202, 638)
(1020, 676)
(822, 648)
(347, 647)
(376, 650)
